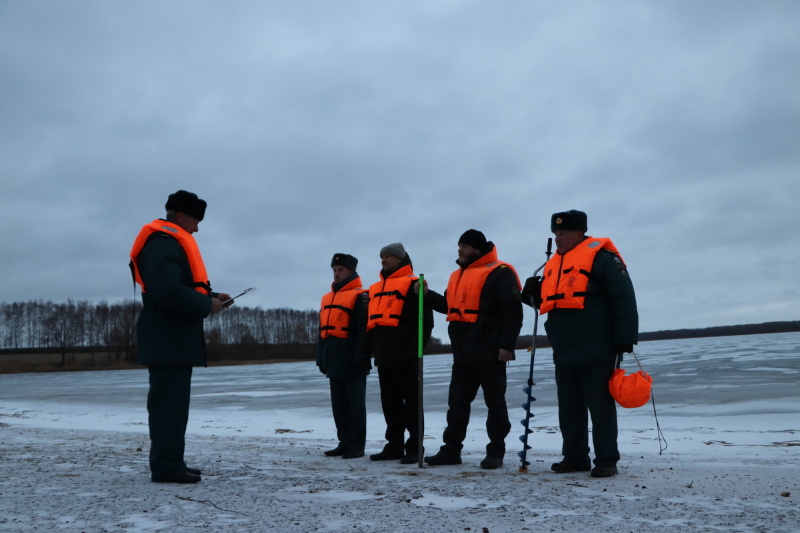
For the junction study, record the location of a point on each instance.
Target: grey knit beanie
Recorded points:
(396, 249)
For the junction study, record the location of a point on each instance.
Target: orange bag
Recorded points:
(632, 390)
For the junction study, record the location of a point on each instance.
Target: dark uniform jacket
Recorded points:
(345, 357)
(609, 317)
(498, 324)
(169, 330)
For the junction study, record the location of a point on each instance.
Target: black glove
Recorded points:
(532, 291)
(362, 366)
(322, 369)
(623, 348)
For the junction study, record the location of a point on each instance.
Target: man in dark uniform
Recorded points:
(482, 303)
(176, 298)
(342, 355)
(591, 321)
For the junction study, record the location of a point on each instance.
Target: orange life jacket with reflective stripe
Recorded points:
(187, 242)
(466, 284)
(566, 277)
(336, 309)
(387, 297)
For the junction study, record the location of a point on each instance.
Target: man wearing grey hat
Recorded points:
(392, 334)
(592, 321)
(342, 355)
(482, 304)
(176, 297)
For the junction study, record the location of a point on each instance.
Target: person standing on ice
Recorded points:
(592, 321)
(176, 297)
(482, 304)
(342, 355)
(393, 338)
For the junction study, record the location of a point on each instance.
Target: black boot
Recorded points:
(389, 453)
(336, 452)
(444, 457)
(490, 462)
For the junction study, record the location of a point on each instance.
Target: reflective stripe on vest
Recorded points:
(337, 308)
(566, 277)
(465, 287)
(387, 297)
(187, 242)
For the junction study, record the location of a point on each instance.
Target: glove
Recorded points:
(620, 349)
(532, 291)
(361, 366)
(322, 369)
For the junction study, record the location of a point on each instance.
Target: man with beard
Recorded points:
(482, 304)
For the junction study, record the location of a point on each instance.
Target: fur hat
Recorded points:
(345, 260)
(186, 202)
(476, 239)
(571, 220)
(396, 249)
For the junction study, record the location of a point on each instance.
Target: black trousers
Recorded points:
(348, 401)
(168, 414)
(583, 388)
(400, 404)
(464, 384)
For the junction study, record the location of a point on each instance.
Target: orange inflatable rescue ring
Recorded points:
(632, 390)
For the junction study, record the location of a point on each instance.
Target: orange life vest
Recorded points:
(187, 242)
(466, 284)
(566, 277)
(387, 297)
(337, 308)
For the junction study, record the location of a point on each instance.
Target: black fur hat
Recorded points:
(571, 220)
(186, 202)
(345, 260)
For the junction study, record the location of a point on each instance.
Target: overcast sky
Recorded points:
(316, 127)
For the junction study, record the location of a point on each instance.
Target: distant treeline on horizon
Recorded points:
(241, 332)
(716, 331)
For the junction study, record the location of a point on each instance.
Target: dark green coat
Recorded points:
(609, 317)
(169, 330)
(346, 357)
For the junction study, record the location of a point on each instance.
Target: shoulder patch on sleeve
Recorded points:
(620, 267)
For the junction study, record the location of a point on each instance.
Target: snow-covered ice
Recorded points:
(74, 449)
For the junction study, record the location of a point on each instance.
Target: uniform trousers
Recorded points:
(168, 414)
(400, 404)
(466, 379)
(583, 388)
(348, 401)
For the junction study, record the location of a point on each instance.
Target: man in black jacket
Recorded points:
(176, 297)
(482, 303)
(342, 355)
(393, 339)
(592, 320)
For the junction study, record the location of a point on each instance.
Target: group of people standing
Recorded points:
(585, 290)
(592, 321)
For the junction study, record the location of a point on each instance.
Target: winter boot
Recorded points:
(444, 457)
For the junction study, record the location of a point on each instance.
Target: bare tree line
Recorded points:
(109, 327)
(66, 326)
